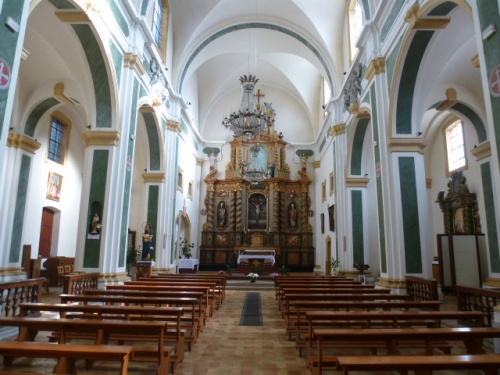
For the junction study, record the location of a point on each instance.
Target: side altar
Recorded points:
(272, 214)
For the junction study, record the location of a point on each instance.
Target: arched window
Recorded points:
(355, 25)
(58, 138)
(455, 146)
(159, 25)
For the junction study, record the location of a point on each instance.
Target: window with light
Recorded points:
(157, 21)
(455, 146)
(56, 141)
(355, 25)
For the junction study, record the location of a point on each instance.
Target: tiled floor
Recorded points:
(224, 347)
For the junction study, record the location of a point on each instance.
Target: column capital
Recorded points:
(407, 145)
(153, 177)
(174, 126)
(376, 66)
(101, 138)
(23, 142)
(356, 182)
(482, 151)
(337, 130)
(132, 61)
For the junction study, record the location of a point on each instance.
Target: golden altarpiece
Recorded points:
(272, 214)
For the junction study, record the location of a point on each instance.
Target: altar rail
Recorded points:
(15, 292)
(478, 299)
(77, 283)
(420, 289)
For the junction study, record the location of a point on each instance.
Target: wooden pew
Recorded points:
(289, 313)
(328, 290)
(381, 319)
(68, 353)
(171, 315)
(103, 330)
(209, 296)
(282, 288)
(472, 338)
(489, 363)
(190, 304)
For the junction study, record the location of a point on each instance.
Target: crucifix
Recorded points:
(259, 95)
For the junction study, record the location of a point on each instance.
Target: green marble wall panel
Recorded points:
(98, 70)
(153, 141)
(474, 118)
(21, 198)
(8, 46)
(378, 180)
(408, 80)
(491, 221)
(323, 143)
(442, 9)
(127, 187)
(357, 146)
(366, 8)
(37, 113)
(409, 208)
(396, 8)
(144, 7)
(358, 245)
(117, 60)
(62, 4)
(122, 22)
(97, 194)
(390, 63)
(152, 214)
(489, 14)
(174, 209)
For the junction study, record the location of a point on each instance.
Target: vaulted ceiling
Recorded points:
(290, 45)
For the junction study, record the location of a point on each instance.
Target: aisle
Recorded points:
(226, 348)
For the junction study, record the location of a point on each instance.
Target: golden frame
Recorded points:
(54, 185)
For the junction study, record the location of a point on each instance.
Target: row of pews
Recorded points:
(330, 316)
(153, 320)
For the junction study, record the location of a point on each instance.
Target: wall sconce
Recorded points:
(89, 126)
(132, 137)
(419, 134)
(366, 174)
(11, 129)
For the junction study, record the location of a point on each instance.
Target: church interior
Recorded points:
(331, 137)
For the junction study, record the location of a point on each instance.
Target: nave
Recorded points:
(226, 348)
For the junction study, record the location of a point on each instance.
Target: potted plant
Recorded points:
(186, 248)
(253, 277)
(335, 265)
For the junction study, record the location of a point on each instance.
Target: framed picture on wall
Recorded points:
(322, 223)
(54, 186)
(331, 217)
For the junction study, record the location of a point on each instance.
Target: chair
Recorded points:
(60, 274)
(36, 272)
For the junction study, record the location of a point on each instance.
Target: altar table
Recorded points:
(190, 264)
(267, 258)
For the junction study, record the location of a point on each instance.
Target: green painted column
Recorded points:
(11, 44)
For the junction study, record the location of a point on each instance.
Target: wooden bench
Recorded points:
(380, 319)
(171, 315)
(290, 312)
(67, 354)
(472, 338)
(280, 288)
(221, 280)
(103, 331)
(190, 305)
(489, 363)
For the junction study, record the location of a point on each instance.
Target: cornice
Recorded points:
(73, 17)
(417, 23)
(199, 161)
(407, 145)
(376, 66)
(174, 126)
(132, 61)
(101, 138)
(23, 142)
(153, 177)
(337, 130)
(356, 182)
(482, 151)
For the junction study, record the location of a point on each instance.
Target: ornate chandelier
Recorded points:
(252, 172)
(249, 121)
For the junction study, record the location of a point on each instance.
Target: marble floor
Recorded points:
(224, 347)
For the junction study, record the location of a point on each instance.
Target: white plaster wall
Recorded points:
(69, 204)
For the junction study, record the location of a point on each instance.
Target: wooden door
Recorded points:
(46, 233)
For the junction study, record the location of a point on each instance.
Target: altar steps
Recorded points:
(266, 269)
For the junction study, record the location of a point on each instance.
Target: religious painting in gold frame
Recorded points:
(54, 185)
(257, 212)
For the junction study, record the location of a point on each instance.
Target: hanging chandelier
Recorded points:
(253, 172)
(249, 121)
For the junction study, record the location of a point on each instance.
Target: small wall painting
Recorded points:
(54, 186)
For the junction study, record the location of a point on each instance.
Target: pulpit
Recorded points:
(144, 269)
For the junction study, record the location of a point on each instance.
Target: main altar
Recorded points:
(272, 214)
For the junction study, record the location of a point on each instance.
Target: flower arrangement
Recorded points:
(186, 248)
(274, 275)
(361, 267)
(335, 265)
(253, 276)
(283, 270)
(222, 272)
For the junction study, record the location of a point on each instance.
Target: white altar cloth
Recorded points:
(188, 263)
(267, 258)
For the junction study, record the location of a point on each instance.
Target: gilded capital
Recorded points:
(23, 142)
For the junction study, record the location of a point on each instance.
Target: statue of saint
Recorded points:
(147, 242)
(221, 215)
(292, 216)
